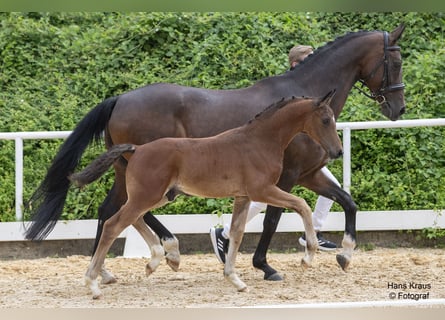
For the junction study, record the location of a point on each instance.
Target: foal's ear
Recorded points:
(396, 33)
(327, 98)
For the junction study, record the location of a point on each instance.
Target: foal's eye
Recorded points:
(326, 121)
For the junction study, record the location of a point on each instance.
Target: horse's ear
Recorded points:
(327, 98)
(396, 33)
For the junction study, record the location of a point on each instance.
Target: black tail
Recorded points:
(100, 165)
(47, 202)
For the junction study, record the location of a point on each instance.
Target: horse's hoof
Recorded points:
(173, 264)
(304, 264)
(273, 277)
(97, 296)
(148, 270)
(109, 280)
(245, 289)
(342, 261)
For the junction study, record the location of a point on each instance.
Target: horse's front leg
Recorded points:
(349, 238)
(322, 185)
(239, 217)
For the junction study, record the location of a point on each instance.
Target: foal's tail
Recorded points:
(100, 165)
(47, 202)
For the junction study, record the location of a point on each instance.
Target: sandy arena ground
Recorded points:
(373, 276)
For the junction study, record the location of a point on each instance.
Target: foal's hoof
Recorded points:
(343, 261)
(109, 280)
(273, 277)
(173, 264)
(245, 289)
(97, 296)
(304, 264)
(148, 270)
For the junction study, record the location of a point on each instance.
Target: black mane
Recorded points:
(339, 41)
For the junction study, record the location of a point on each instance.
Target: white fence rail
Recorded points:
(428, 217)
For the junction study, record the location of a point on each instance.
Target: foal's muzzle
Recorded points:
(336, 154)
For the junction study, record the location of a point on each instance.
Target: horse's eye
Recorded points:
(326, 121)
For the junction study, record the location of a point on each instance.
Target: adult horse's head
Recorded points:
(384, 78)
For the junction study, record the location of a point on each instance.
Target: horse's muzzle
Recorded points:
(340, 153)
(389, 111)
(336, 154)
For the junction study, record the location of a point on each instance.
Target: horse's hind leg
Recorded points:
(169, 241)
(157, 252)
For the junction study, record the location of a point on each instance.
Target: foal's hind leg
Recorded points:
(109, 207)
(112, 228)
(114, 200)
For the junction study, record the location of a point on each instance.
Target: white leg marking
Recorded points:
(157, 253)
(171, 247)
(107, 276)
(94, 287)
(348, 245)
(237, 282)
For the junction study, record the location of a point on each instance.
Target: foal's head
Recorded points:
(321, 126)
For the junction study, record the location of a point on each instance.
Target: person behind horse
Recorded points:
(220, 236)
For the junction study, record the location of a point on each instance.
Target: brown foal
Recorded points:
(244, 163)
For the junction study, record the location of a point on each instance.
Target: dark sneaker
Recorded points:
(219, 243)
(323, 244)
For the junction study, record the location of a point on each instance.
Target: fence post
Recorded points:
(347, 159)
(18, 178)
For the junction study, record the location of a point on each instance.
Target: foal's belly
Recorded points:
(211, 189)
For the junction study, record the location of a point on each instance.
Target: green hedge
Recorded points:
(55, 67)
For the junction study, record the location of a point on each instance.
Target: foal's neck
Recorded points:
(281, 126)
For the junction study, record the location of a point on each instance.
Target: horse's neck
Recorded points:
(333, 67)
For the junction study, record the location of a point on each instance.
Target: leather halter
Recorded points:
(385, 85)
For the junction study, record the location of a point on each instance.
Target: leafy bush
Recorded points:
(57, 66)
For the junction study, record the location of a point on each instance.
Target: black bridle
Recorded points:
(385, 86)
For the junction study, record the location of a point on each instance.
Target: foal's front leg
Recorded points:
(239, 217)
(279, 198)
(168, 240)
(156, 249)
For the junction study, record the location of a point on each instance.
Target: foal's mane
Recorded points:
(271, 109)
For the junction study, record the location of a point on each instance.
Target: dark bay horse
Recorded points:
(244, 163)
(169, 110)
